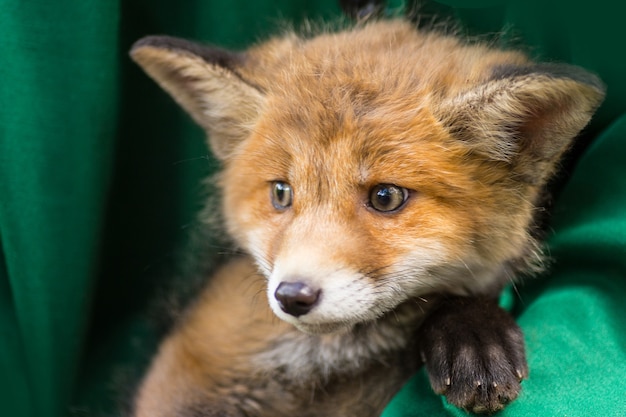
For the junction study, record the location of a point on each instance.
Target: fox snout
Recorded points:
(296, 298)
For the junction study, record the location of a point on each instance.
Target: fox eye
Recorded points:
(282, 195)
(387, 197)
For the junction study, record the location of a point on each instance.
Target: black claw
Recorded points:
(474, 354)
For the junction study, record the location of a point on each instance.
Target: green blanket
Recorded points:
(99, 180)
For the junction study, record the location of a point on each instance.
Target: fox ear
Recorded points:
(526, 116)
(206, 83)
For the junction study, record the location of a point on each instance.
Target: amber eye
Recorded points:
(282, 195)
(387, 197)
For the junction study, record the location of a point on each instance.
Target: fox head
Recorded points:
(379, 164)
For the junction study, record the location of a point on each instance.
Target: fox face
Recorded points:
(347, 225)
(375, 166)
(336, 230)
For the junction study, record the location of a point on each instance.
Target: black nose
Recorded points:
(296, 298)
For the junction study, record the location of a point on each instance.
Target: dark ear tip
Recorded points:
(576, 73)
(154, 41)
(209, 54)
(553, 70)
(161, 42)
(362, 9)
(145, 41)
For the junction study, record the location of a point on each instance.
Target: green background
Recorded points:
(99, 183)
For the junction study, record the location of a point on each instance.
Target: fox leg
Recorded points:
(474, 353)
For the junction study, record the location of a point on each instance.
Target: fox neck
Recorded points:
(304, 359)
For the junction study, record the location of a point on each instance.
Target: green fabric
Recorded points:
(58, 104)
(99, 180)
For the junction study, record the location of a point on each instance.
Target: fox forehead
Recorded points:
(332, 173)
(346, 103)
(347, 151)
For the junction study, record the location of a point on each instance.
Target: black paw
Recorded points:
(474, 354)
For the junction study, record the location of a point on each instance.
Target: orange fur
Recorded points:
(470, 133)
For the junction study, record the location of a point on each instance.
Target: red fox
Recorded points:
(382, 184)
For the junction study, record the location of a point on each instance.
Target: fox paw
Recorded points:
(474, 354)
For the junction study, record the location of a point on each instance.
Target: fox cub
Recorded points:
(382, 184)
